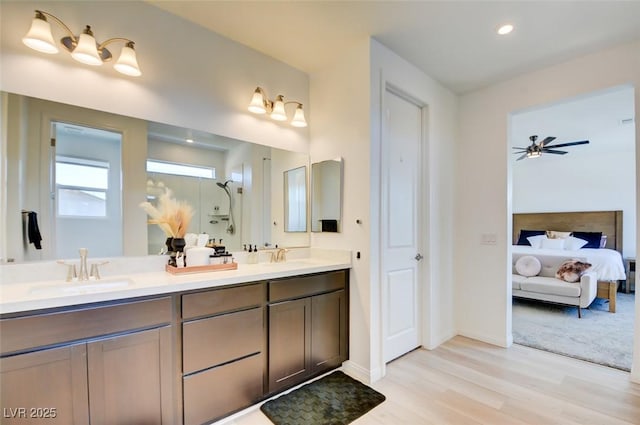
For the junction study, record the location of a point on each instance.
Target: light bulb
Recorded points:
(278, 112)
(298, 118)
(86, 50)
(127, 62)
(257, 102)
(39, 36)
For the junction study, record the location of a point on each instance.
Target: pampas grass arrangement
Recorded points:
(172, 216)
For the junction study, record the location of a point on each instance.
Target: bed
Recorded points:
(606, 261)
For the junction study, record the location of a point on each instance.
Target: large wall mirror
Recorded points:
(326, 196)
(295, 200)
(87, 187)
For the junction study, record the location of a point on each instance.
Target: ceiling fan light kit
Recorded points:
(535, 150)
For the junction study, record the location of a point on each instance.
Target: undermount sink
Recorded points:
(82, 287)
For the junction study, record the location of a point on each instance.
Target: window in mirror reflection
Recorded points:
(180, 169)
(81, 187)
(295, 200)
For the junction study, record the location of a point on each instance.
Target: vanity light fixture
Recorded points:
(260, 104)
(83, 48)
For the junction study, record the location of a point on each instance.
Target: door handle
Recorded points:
(418, 257)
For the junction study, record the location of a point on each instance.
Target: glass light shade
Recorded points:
(127, 62)
(257, 103)
(39, 37)
(86, 51)
(298, 118)
(534, 154)
(278, 112)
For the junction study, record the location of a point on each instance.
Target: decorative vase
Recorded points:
(170, 251)
(178, 245)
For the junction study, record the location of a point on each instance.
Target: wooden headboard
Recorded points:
(607, 222)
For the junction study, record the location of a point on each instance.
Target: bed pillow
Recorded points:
(552, 243)
(528, 266)
(592, 238)
(554, 234)
(536, 241)
(525, 234)
(603, 241)
(573, 244)
(572, 270)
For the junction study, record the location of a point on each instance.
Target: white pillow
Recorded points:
(552, 243)
(528, 266)
(573, 244)
(536, 241)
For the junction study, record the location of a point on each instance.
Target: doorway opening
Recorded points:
(596, 177)
(86, 190)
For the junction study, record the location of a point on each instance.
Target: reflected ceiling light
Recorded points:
(260, 104)
(505, 29)
(83, 48)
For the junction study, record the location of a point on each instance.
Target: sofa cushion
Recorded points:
(571, 270)
(528, 265)
(516, 280)
(550, 285)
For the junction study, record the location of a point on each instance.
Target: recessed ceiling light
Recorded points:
(505, 29)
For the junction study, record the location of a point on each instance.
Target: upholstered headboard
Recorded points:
(607, 222)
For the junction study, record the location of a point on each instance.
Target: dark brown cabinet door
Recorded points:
(128, 381)
(289, 343)
(328, 331)
(48, 386)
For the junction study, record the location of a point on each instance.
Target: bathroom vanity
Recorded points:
(190, 349)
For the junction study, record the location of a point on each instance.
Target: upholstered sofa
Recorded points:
(546, 287)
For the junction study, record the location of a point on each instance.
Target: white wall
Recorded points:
(341, 128)
(483, 204)
(191, 77)
(340, 90)
(595, 177)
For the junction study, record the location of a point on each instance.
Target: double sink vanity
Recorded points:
(146, 347)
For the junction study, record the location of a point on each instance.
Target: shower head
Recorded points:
(224, 185)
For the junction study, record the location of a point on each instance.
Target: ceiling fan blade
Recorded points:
(524, 155)
(562, 145)
(554, 151)
(547, 140)
(516, 147)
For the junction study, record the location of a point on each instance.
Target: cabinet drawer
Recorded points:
(216, 392)
(53, 328)
(304, 286)
(222, 300)
(220, 339)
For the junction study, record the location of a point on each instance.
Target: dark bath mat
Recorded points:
(336, 399)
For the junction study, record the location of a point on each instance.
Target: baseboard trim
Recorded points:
(489, 339)
(446, 336)
(360, 373)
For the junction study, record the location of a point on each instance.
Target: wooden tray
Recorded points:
(200, 269)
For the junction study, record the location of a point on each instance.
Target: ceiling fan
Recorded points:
(534, 150)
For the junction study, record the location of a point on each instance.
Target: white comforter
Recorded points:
(606, 263)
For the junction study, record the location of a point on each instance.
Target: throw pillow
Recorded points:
(554, 234)
(552, 243)
(536, 241)
(572, 270)
(528, 266)
(592, 238)
(573, 244)
(525, 234)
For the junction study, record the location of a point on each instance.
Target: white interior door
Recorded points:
(401, 172)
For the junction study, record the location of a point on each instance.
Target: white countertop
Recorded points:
(23, 288)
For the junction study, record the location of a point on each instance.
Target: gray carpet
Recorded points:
(599, 337)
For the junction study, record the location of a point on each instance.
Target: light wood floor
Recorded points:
(469, 382)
